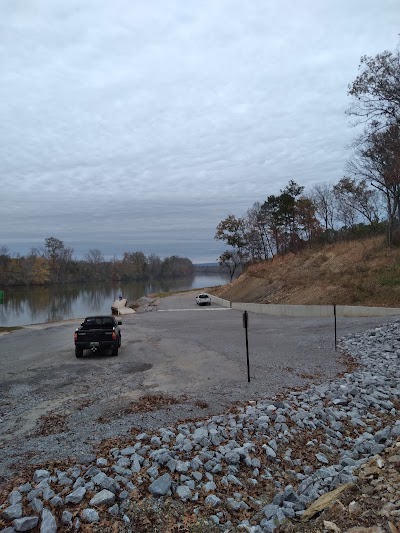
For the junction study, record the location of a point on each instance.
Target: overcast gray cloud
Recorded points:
(140, 125)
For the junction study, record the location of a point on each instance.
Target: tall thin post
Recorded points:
(334, 312)
(245, 325)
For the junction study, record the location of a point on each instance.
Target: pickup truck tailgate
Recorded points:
(94, 335)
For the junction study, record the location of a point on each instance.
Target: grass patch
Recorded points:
(160, 294)
(390, 282)
(5, 329)
(360, 272)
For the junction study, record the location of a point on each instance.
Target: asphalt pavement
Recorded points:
(177, 362)
(278, 347)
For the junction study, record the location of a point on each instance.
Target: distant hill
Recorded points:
(362, 272)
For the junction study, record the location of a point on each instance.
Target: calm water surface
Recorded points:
(35, 305)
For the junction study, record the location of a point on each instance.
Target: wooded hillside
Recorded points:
(362, 272)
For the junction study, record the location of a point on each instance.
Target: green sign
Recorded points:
(1, 297)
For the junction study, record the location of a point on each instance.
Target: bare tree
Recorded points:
(154, 265)
(53, 251)
(94, 257)
(134, 265)
(53, 248)
(378, 162)
(376, 92)
(232, 260)
(345, 213)
(357, 196)
(258, 240)
(324, 201)
(96, 262)
(376, 104)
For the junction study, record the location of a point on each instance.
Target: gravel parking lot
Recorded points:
(180, 362)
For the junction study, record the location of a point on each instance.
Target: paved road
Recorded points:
(53, 403)
(210, 340)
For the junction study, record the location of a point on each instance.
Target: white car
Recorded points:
(203, 299)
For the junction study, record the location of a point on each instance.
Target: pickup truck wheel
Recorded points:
(78, 352)
(114, 351)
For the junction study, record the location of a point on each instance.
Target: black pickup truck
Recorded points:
(97, 332)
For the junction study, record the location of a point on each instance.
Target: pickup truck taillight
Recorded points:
(75, 336)
(114, 336)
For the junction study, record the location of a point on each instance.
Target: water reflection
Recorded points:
(93, 297)
(34, 305)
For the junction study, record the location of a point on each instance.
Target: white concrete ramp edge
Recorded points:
(308, 310)
(120, 307)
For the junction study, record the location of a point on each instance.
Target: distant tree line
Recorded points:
(54, 263)
(365, 201)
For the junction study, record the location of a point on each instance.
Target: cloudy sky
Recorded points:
(139, 126)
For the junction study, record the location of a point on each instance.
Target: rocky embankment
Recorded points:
(266, 466)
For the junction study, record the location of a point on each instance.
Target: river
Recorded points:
(37, 305)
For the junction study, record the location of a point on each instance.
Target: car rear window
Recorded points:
(98, 322)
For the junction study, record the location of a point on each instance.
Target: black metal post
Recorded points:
(245, 325)
(334, 312)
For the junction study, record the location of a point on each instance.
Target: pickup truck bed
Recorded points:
(97, 332)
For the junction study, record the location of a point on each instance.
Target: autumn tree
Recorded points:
(176, 267)
(232, 231)
(307, 221)
(35, 267)
(232, 260)
(5, 259)
(134, 266)
(40, 273)
(376, 104)
(15, 271)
